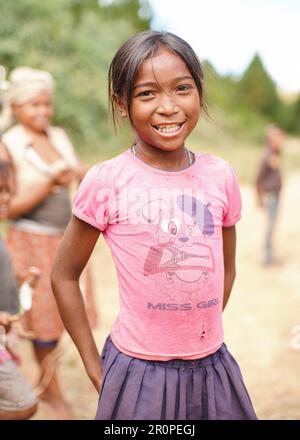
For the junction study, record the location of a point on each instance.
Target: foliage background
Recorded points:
(75, 40)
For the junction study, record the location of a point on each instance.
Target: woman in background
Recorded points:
(45, 165)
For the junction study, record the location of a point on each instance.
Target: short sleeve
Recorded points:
(92, 200)
(232, 212)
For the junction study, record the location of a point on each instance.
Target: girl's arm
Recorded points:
(229, 246)
(73, 254)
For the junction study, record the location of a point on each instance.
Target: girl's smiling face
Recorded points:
(36, 113)
(165, 105)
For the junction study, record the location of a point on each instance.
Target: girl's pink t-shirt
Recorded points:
(164, 230)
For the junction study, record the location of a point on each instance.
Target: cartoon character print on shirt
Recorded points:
(182, 259)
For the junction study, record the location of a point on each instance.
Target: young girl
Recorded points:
(45, 165)
(168, 216)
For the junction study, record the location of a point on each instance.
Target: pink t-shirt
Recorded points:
(164, 230)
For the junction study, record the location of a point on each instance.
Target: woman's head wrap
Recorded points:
(24, 85)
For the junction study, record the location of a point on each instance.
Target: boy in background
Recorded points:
(268, 186)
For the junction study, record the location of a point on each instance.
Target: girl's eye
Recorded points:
(184, 88)
(145, 94)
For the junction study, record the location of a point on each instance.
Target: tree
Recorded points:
(294, 119)
(74, 40)
(258, 89)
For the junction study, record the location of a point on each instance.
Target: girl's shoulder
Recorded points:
(212, 163)
(107, 171)
(218, 170)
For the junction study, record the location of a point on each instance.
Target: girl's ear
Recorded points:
(120, 106)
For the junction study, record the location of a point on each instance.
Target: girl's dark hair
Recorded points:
(135, 51)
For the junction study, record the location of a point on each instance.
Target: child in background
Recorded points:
(17, 400)
(168, 216)
(268, 186)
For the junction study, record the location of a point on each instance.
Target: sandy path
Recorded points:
(265, 307)
(259, 319)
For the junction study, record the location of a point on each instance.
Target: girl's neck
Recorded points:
(164, 160)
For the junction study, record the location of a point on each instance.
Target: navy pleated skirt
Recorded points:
(211, 388)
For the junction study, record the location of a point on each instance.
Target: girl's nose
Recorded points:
(167, 106)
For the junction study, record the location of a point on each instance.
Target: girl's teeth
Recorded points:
(169, 129)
